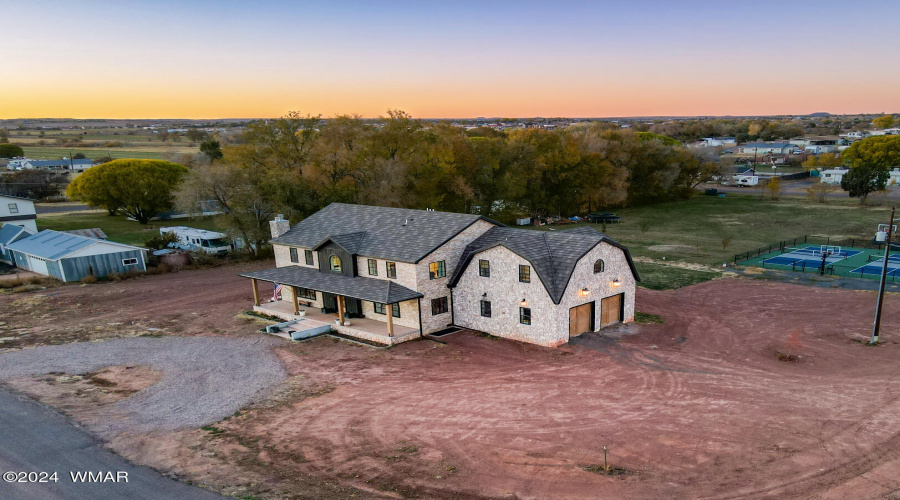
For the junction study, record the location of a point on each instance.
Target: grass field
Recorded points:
(140, 144)
(52, 153)
(708, 231)
(117, 227)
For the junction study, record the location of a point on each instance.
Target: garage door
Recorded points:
(581, 319)
(38, 265)
(611, 310)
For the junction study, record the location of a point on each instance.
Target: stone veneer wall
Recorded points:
(549, 322)
(505, 293)
(283, 256)
(450, 253)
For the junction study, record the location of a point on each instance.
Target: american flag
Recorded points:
(276, 295)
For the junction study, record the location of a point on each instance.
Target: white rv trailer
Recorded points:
(198, 240)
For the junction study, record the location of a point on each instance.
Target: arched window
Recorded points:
(599, 266)
(335, 263)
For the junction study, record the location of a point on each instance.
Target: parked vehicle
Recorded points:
(746, 180)
(198, 240)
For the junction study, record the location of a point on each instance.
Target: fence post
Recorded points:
(804, 238)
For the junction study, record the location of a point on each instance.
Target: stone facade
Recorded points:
(435, 288)
(549, 322)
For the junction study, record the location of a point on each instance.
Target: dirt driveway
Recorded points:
(701, 406)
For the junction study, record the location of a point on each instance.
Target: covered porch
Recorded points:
(342, 288)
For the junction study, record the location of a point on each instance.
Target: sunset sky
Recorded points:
(433, 59)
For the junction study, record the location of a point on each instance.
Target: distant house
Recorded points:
(70, 257)
(74, 165)
(833, 175)
(718, 141)
(18, 212)
(762, 148)
(9, 234)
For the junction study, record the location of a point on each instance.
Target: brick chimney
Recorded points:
(279, 226)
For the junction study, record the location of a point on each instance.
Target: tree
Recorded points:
(883, 121)
(10, 151)
(819, 191)
(870, 161)
(862, 180)
(774, 188)
(825, 160)
(195, 135)
(140, 189)
(212, 149)
(4, 135)
(36, 184)
(79, 156)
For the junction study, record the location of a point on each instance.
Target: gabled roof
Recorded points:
(10, 233)
(399, 234)
(54, 245)
(375, 290)
(553, 255)
(349, 242)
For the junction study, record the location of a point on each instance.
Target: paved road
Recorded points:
(35, 438)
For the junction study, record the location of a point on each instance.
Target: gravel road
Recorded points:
(203, 380)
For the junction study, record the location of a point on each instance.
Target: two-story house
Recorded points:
(18, 212)
(391, 274)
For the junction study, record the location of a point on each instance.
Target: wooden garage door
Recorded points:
(581, 319)
(611, 310)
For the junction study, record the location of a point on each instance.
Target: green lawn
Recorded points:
(709, 231)
(694, 230)
(52, 153)
(117, 227)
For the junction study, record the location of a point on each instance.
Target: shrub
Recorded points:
(10, 151)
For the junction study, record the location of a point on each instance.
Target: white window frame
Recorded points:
(126, 262)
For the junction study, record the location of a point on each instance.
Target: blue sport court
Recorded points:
(875, 267)
(811, 256)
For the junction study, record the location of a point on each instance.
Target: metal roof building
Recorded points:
(71, 257)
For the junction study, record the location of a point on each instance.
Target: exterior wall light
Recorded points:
(524, 302)
(616, 283)
(585, 292)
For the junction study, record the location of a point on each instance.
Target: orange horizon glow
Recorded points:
(571, 60)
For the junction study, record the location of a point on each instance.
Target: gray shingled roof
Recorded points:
(383, 291)
(553, 255)
(398, 234)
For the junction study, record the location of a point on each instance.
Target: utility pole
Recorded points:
(884, 268)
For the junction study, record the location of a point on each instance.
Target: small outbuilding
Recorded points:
(71, 257)
(10, 233)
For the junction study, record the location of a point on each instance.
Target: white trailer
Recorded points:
(746, 180)
(198, 240)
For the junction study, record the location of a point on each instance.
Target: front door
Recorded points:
(329, 303)
(354, 307)
(611, 310)
(581, 319)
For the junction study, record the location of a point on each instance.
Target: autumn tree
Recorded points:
(824, 160)
(140, 189)
(883, 122)
(870, 161)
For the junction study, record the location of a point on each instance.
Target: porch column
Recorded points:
(296, 300)
(340, 304)
(255, 291)
(389, 311)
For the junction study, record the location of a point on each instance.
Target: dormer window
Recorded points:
(335, 263)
